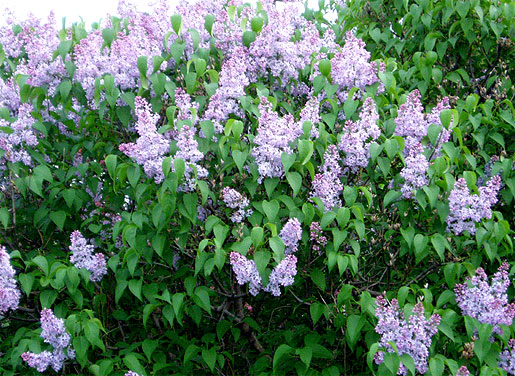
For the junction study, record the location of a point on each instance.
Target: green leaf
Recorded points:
(191, 352)
(325, 67)
(249, 37)
(111, 162)
(354, 325)
(271, 209)
(287, 160)
(42, 263)
(209, 357)
(239, 159)
(132, 362)
(390, 197)
(257, 235)
(26, 282)
(4, 217)
(420, 243)
(305, 355)
(201, 298)
(149, 346)
(305, 151)
(295, 181)
(316, 310)
(261, 258)
(318, 278)
(257, 24)
(58, 217)
(281, 352)
(92, 333)
(176, 23)
(135, 286)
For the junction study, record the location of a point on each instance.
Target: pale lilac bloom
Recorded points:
(466, 209)
(507, 358)
(55, 334)
(318, 239)
(151, 147)
(131, 373)
(235, 200)
(282, 275)
(291, 234)
(463, 371)
(487, 302)
(83, 258)
(411, 336)
(356, 137)
(246, 271)
(189, 153)
(9, 292)
(327, 184)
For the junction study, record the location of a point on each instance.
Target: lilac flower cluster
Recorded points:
(143, 37)
(282, 275)
(507, 358)
(274, 135)
(189, 153)
(246, 271)
(327, 184)
(83, 258)
(356, 137)
(318, 240)
(412, 124)
(131, 373)
(22, 134)
(150, 148)
(488, 303)
(185, 106)
(463, 371)
(53, 333)
(466, 210)
(412, 336)
(235, 200)
(291, 234)
(351, 67)
(9, 293)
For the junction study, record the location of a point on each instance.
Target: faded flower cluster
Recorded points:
(235, 200)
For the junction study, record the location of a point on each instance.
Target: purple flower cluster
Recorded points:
(22, 134)
(351, 67)
(131, 373)
(150, 148)
(282, 275)
(235, 200)
(9, 293)
(356, 137)
(83, 258)
(246, 271)
(53, 333)
(189, 153)
(488, 303)
(507, 358)
(291, 234)
(463, 371)
(318, 239)
(327, 184)
(412, 124)
(466, 210)
(274, 135)
(185, 106)
(412, 336)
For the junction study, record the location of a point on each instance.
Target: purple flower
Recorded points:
(83, 258)
(317, 237)
(507, 358)
(291, 234)
(412, 336)
(130, 373)
(235, 200)
(53, 333)
(356, 138)
(189, 153)
(282, 275)
(9, 293)
(463, 371)
(487, 302)
(246, 271)
(150, 147)
(466, 210)
(327, 184)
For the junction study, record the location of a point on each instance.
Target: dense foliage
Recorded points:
(244, 189)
